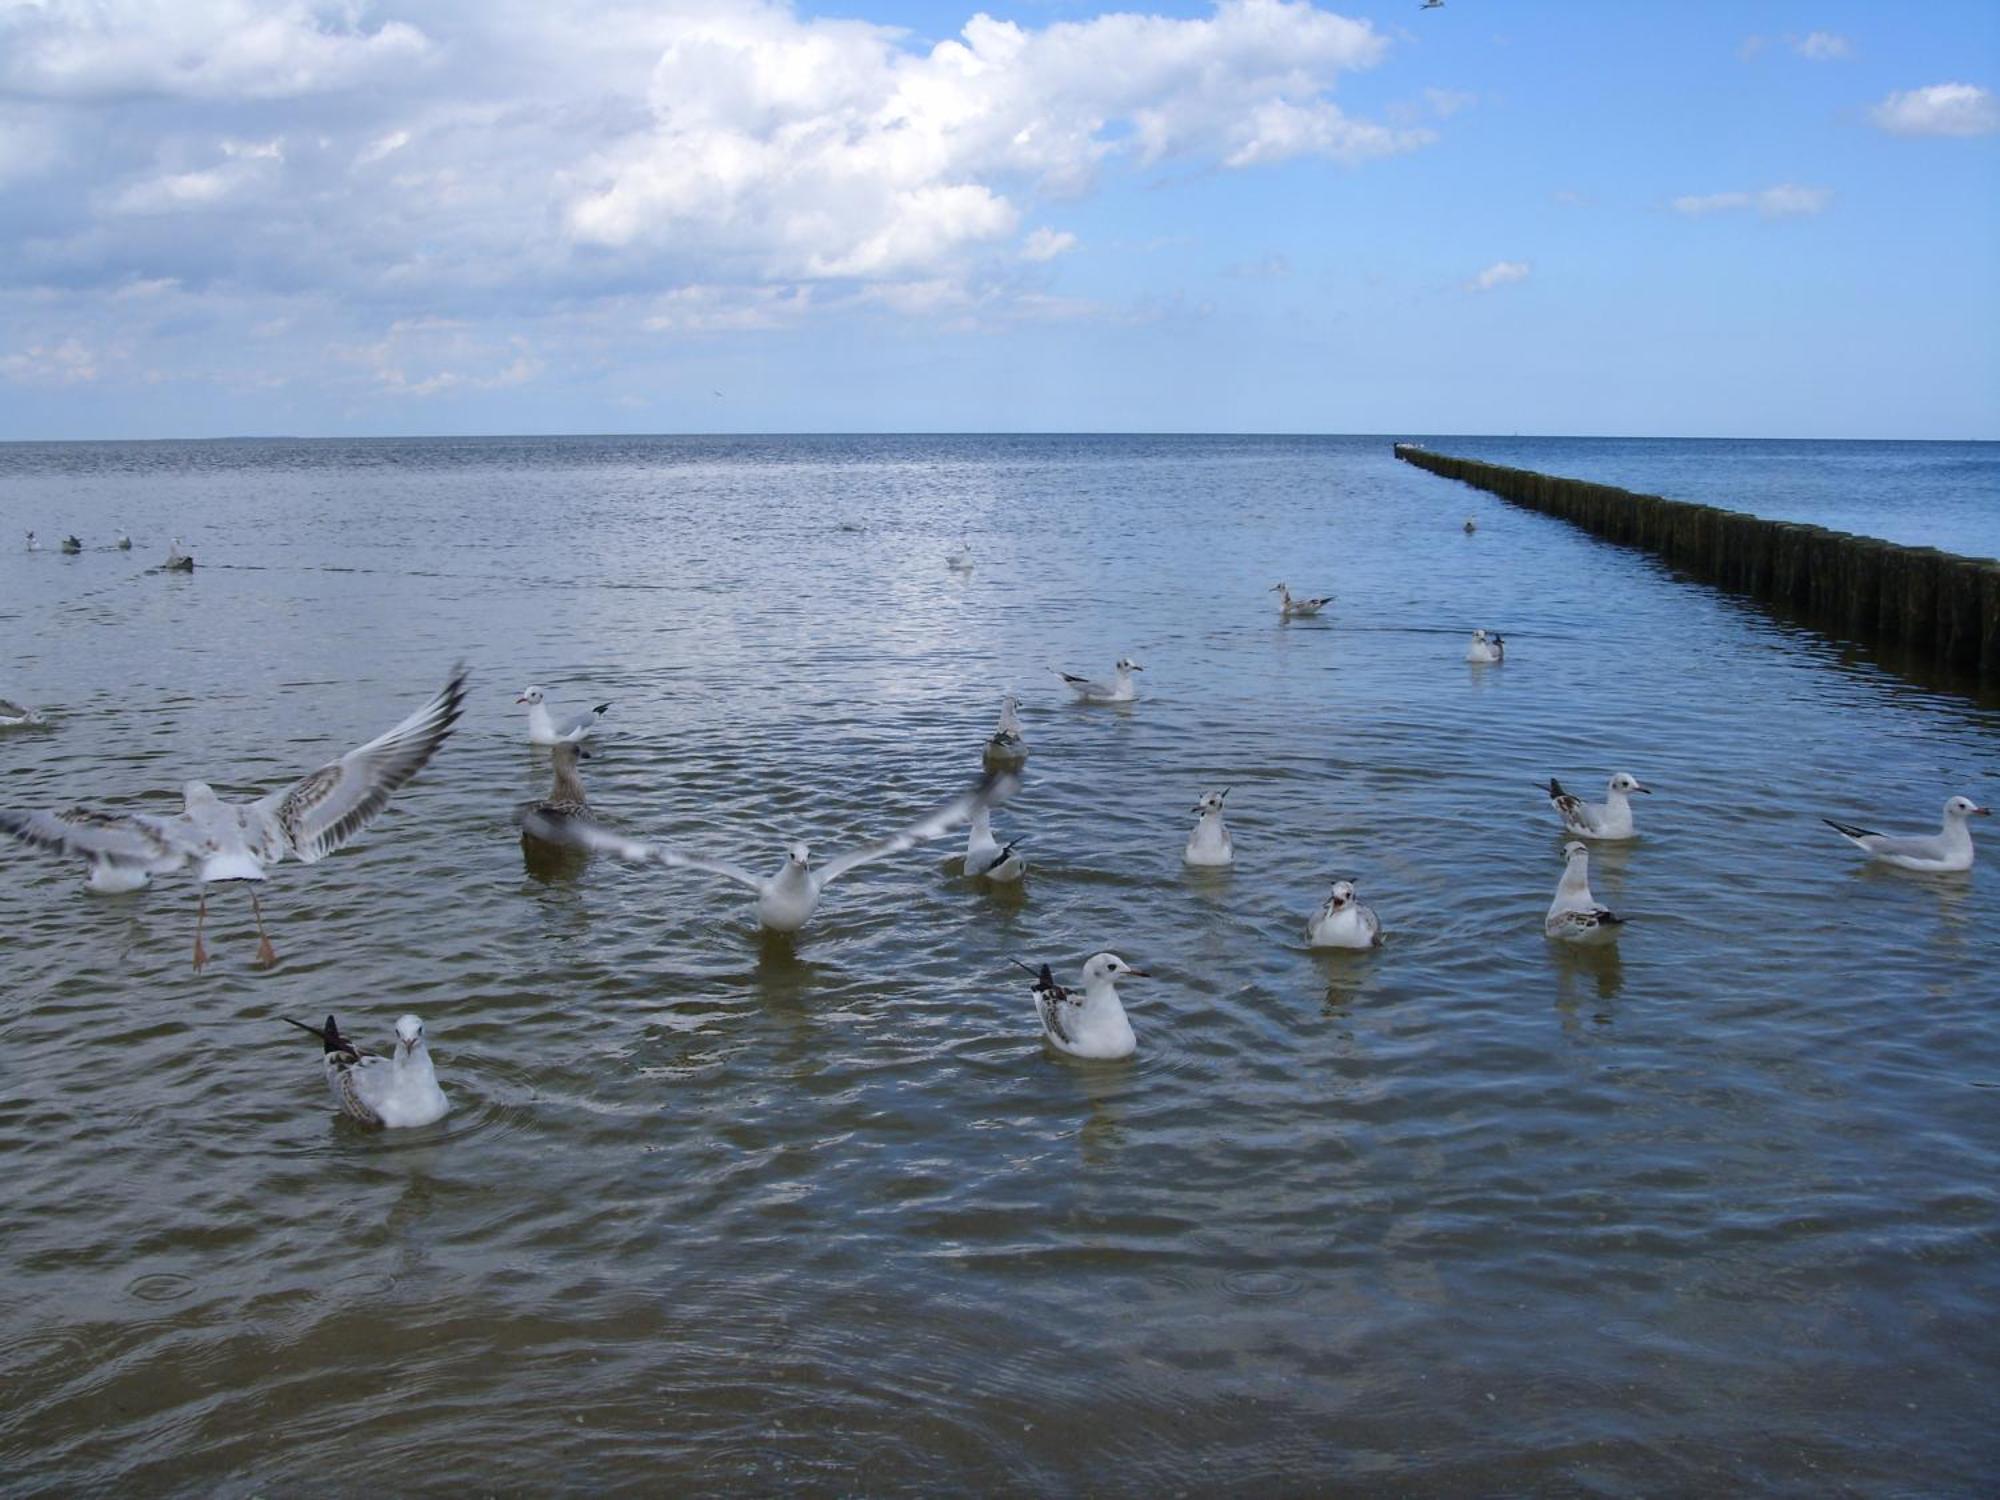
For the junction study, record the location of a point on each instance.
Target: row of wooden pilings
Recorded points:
(1923, 600)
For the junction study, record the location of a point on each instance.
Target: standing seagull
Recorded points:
(1296, 609)
(1344, 922)
(305, 821)
(1574, 916)
(1486, 648)
(1948, 850)
(1091, 1025)
(787, 900)
(1608, 820)
(394, 1092)
(543, 730)
(1008, 748)
(1119, 691)
(1209, 844)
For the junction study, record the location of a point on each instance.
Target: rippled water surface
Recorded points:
(1716, 1209)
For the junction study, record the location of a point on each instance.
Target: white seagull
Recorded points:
(1344, 922)
(1486, 648)
(1008, 748)
(1292, 609)
(986, 858)
(961, 560)
(1470, 526)
(543, 730)
(177, 560)
(394, 1092)
(306, 821)
(1209, 844)
(1949, 849)
(1119, 690)
(33, 545)
(1574, 916)
(17, 715)
(787, 900)
(1091, 1025)
(1608, 820)
(72, 545)
(124, 542)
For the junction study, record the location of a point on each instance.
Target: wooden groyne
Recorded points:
(1927, 602)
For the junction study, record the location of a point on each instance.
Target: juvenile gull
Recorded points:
(786, 901)
(1947, 850)
(1574, 916)
(986, 858)
(1291, 609)
(1119, 690)
(543, 730)
(1209, 843)
(394, 1092)
(1609, 820)
(1486, 648)
(1343, 922)
(225, 841)
(548, 819)
(1090, 1025)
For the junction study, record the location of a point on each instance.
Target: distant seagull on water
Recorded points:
(1575, 916)
(1946, 851)
(1292, 609)
(33, 545)
(1209, 844)
(543, 729)
(1343, 922)
(177, 560)
(72, 545)
(1486, 648)
(1118, 690)
(396, 1092)
(1008, 748)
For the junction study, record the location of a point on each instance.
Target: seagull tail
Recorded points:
(600, 710)
(330, 1038)
(1556, 789)
(1849, 832)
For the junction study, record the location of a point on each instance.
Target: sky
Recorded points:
(233, 217)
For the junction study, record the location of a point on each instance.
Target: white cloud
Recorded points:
(1785, 201)
(1940, 109)
(720, 309)
(1448, 102)
(430, 356)
(244, 165)
(1047, 244)
(67, 362)
(1500, 273)
(1821, 46)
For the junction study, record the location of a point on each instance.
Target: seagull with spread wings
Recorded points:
(306, 821)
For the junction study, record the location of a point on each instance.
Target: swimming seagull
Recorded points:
(1949, 849)
(305, 821)
(985, 857)
(1470, 526)
(961, 560)
(33, 545)
(177, 560)
(17, 715)
(1209, 844)
(1119, 690)
(1609, 820)
(1343, 922)
(72, 545)
(543, 730)
(1486, 648)
(1574, 916)
(545, 820)
(786, 901)
(1290, 608)
(1008, 748)
(124, 542)
(1091, 1025)
(393, 1092)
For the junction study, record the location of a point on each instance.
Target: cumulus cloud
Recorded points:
(1500, 273)
(1047, 244)
(1785, 201)
(1940, 109)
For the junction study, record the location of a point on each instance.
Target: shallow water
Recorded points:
(1715, 1209)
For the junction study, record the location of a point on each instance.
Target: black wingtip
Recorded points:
(602, 708)
(1556, 788)
(1848, 830)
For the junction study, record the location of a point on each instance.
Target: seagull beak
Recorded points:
(1984, 812)
(1646, 789)
(522, 699)
(1135, 974)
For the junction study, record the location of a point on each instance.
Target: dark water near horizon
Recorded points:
(1715, 1210)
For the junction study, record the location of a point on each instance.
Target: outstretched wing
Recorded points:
(317, 814)
(989, 791)
(133, 840)
(587, 833)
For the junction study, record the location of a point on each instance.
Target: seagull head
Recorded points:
(1341, 896)
(1623, 783)
(1126, 664)
(409, 1035)
(530, 695)
(1962, 808)
(197, 793)
(1109, 966)
(1211, 802)
(800, 855)
(1277, 588)
(1479, 635)
(1575, 849)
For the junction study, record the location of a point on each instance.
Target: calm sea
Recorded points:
(1713, 1211)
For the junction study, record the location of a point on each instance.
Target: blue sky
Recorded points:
(236, 216)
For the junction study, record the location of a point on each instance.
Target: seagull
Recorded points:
(543, 730)
(33, 545)
(305, 821)
(177, 560)
(985, 857)
(1008, 748)
(1290, 608)
(1209, 843)
(1091, 1025)
(394, 1092)
(1432, 5)
(1949, 849)
(545, 820)
(1609, 820)
(124, 542)
(786, 901)
(1119, 691)
(1344, 922)
(1486, 648)
(1470, 526)
(961, 560)
(17, 715)
(1574, 915)
(72, 545)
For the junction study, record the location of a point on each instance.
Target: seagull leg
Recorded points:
(200, 916)
(266, 954)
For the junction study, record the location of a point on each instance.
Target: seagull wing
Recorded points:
(319, 813)
(588, 833)
(133, 840)
(988, 791)
(583, 723)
